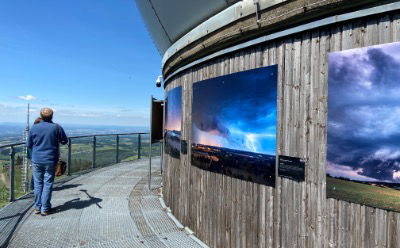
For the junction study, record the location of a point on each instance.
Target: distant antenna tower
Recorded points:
(24, 176)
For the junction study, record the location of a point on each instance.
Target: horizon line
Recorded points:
(103, 125)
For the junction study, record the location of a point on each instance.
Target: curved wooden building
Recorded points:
(297, 36)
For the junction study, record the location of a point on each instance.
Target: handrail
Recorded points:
(99, 135)
(69, 160)
(13, 144)
(76, 137)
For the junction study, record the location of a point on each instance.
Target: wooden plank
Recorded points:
(370, 31)
(277, 57)
(269, 217)
(311, 166)
(332, 207)
(242, 213)
(287, 111)
(322, 136)
(304, 126)
(396, 27)
(272, 216)
(295, 148)
(237, 216)
(363, 226)
(381, 220)
(384, 27)
(347, 33)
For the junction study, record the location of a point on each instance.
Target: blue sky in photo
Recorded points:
(364, 113)
(237, 111)
(93, 61)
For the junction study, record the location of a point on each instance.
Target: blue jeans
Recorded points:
(32, 184)
(43, 176)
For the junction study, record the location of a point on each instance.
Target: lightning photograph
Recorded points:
(234, 125)
(173, 122)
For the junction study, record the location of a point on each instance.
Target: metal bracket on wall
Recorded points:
(257, 6)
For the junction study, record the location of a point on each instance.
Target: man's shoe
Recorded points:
(45, 213)
(50, 211)
(36, 211)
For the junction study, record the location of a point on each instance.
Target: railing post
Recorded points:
(117, 150)
(161, 156)
(12, 169)
(94, 152)
(139, 146)
(69, 161)
(150, 150)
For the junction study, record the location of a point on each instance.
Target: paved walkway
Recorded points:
(109, 207)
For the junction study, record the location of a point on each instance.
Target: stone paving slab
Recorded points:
(109, 207)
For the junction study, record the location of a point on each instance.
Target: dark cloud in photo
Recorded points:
(364, 113)
(173, 109)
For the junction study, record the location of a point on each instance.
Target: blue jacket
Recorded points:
(44, 140)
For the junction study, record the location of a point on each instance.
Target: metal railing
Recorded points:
(127, 146)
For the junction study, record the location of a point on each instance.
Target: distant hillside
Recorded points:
(395, 185)
(10, 128)
(12, 132)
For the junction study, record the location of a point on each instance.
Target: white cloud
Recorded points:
(345, 171)
(396, 175)
(386, 154)
(136, 116)
(27, 97)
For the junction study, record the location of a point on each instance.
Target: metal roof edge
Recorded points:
(229, 15)
(301, 28)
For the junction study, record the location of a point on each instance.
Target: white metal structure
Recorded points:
(174, 24)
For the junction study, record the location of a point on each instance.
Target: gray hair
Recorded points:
(46, 114)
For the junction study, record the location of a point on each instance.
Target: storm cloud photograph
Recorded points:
(173, 122)
(363, 156)
(234, 125)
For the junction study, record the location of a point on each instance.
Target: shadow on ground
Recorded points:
(66, 186)
(77, 203)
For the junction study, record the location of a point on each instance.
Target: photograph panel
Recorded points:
(363, 157)
(234, 125)
(173, 122)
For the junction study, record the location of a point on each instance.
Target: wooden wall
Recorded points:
(228, 212)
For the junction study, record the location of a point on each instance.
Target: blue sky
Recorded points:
(93, 61)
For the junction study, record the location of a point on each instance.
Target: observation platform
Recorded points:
(107, 207)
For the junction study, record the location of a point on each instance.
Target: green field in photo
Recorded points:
(364, 194)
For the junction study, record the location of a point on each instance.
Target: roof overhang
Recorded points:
(169, 20)
(174, 24)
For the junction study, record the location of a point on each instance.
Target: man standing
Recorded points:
(44, 140)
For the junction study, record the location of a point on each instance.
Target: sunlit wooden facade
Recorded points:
(228, 212)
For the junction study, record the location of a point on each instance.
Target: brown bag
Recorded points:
(61, 166)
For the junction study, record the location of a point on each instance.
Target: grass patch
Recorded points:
(369, 195)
